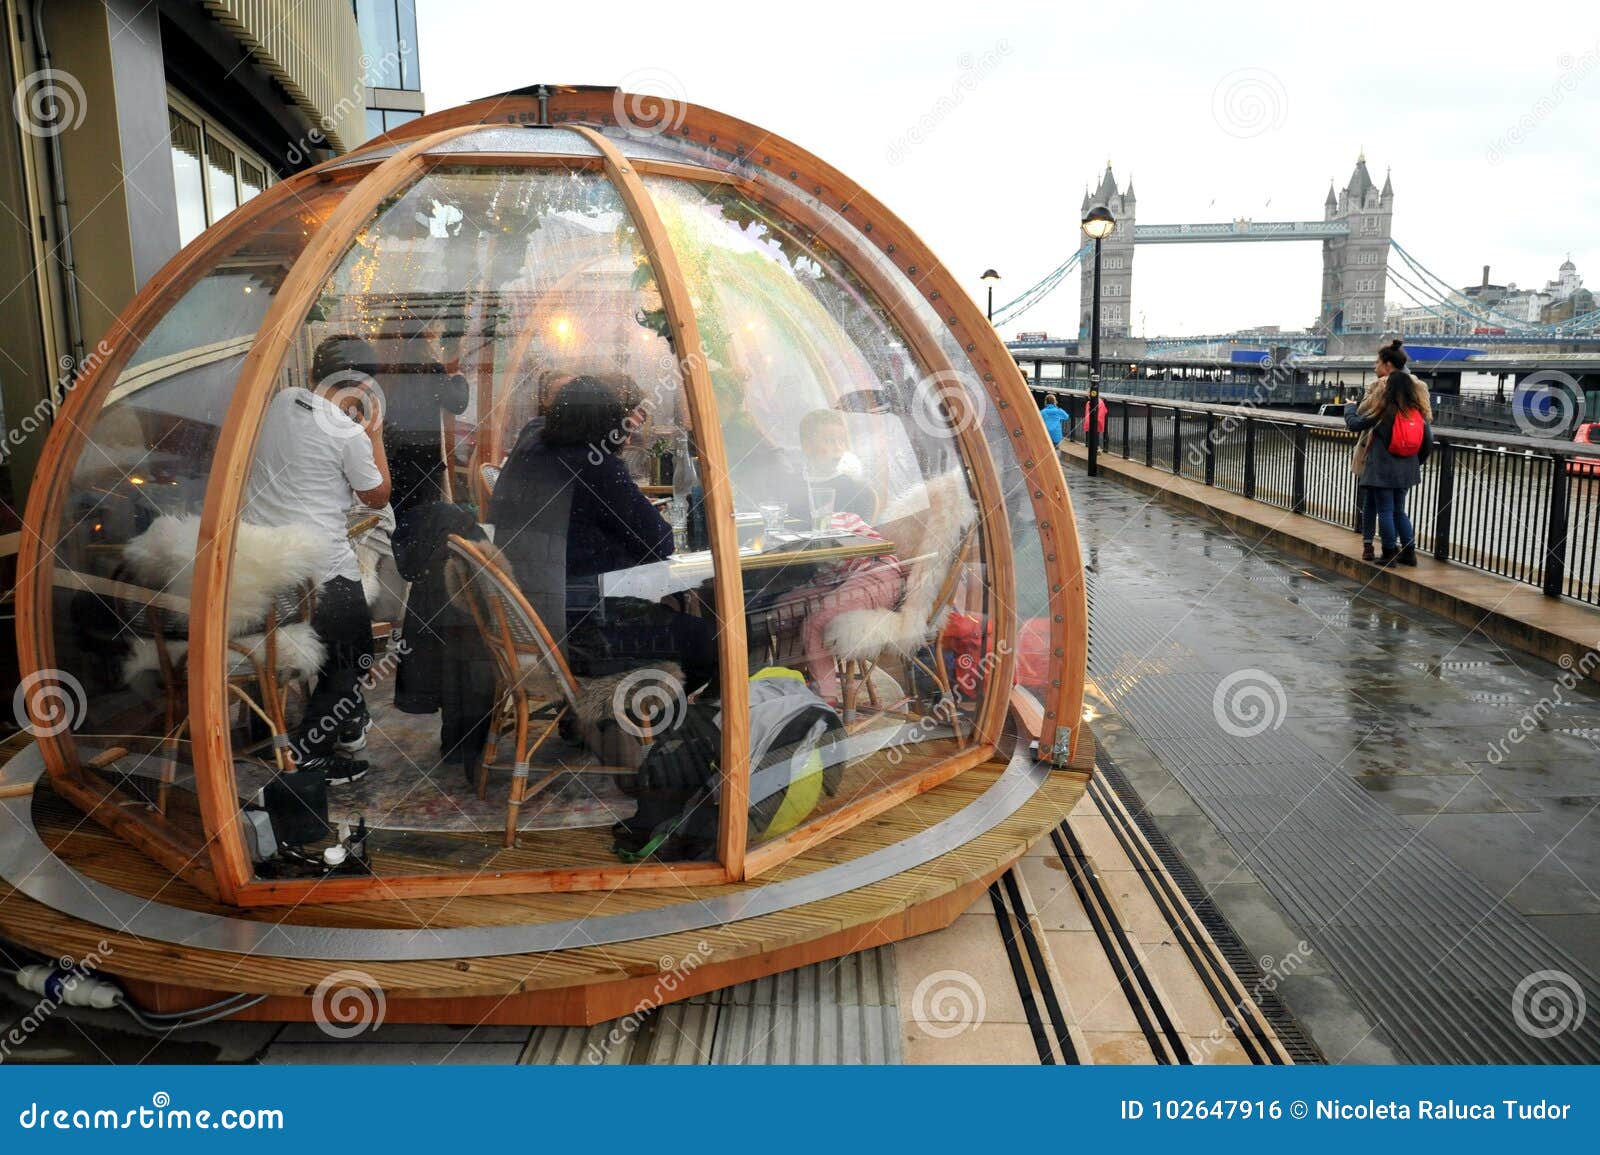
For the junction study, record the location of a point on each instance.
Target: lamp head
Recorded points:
(1098, 223)
(990, 275)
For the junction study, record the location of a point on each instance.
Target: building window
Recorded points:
(212, 174)
(1369, 225)
(222, 177)
(389, 42)
(186, 176)
(252, 179)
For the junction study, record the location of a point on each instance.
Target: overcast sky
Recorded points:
(1217, 110)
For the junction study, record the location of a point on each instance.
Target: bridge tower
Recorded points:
(1116, 262)
(1355, 268)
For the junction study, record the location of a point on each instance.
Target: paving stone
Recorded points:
(393, 1054)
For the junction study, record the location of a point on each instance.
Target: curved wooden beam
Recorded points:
(75, 420)
(732, 834)
(230, 470)
(746, 149)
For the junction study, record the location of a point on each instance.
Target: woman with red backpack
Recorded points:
(1396, 421)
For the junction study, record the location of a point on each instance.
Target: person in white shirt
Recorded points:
(317, 448)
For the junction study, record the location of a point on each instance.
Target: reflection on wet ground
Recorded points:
(1418, 798)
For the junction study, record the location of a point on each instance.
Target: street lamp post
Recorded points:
(1098, 224)
(989, 278)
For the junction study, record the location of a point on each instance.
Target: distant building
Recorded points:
(1575, 304)
(1116, 262)
(1488, 305)
(1567, 281)
(1355, 268)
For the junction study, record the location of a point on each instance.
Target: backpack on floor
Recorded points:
(796, 758)
(1405, 435)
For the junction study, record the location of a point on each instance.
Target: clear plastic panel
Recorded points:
(865, 563)
(1031, 608)
(122, 568)
(458, 461)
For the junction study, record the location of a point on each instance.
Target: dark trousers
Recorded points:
(620, 634)
(1394, 526)
(344, 623)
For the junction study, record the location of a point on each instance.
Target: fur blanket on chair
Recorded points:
(300, 654)
(267, 562)
(943, 512)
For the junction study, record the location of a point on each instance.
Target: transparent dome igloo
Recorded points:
(582, 503)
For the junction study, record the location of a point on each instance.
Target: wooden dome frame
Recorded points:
(766, 168)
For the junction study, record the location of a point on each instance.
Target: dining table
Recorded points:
(686, 571)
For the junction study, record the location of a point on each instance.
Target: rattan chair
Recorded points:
(534, 684)
(855, 666)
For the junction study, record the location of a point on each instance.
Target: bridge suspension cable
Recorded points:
(1440, 292)
(1031, 296)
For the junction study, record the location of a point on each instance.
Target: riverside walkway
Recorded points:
(1356, 774)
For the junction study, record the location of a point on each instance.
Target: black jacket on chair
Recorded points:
(445, 666)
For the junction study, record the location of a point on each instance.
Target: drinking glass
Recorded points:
(822, 509)
(773, 515)
(678, 518)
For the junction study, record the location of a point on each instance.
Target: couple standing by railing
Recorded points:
(1395, 421)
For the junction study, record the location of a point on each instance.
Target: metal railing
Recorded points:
(1522, 508)
(1258, 390)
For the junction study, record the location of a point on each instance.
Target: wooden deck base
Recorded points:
(579, 986)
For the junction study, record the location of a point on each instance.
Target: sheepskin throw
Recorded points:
(945, 513)
(267, 561)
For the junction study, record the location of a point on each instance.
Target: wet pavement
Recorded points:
(1413, 799)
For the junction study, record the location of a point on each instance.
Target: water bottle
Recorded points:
(686, 497)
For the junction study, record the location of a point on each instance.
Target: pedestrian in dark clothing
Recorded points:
(444, 665)
(566, 512)
(1400, 442)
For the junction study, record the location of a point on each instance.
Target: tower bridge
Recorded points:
(1354, 232)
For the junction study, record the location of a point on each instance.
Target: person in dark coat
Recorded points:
(418, 393)
(444, 664)
(1386, 477)
(565, 511)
